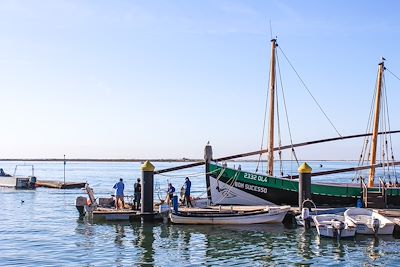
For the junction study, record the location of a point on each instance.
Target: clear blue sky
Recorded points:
(158, 79)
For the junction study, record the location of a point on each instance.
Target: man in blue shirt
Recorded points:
(170, 193)
(188, 184)
(119, 193)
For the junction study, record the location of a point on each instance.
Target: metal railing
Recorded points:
(365, 192)
(382, 189)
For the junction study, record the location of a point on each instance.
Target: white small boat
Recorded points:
(369, 222)
(214, 216)
(331, 211)
(332, 225)
(17, 182)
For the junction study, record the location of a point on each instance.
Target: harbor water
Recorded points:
(41, 228)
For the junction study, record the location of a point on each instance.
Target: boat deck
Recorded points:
(59, 184)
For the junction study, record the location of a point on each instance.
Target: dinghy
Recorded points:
(17, 181)
(333, 225)
(214, 216)
(369, 222)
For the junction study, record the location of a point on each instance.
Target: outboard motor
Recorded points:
(375, 226)
(80, 204)
(339, 227)
(305, 215)
(32, 182)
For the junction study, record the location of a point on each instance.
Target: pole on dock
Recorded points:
(207, 159)
(147, 210)
(305, 193)
(304, 184)
(64, 169)
(175, 203)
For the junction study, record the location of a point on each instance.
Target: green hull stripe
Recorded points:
(292, 185)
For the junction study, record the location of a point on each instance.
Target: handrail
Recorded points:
(24, 165)
(365, 192)
(383, 186)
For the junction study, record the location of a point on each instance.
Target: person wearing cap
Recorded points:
(137, 194)
(119, 193)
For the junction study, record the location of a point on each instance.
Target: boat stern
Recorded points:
(80, 204)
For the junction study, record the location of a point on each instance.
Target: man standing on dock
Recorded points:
(137, 194)
(170, 193)
(119, 193)
(188, 184)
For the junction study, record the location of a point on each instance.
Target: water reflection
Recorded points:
(87, 231)
(119, 235)
(145, 241)
(373, 245)
(146, 244)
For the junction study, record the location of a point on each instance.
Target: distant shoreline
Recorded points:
(157, 160)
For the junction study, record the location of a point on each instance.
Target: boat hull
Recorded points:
(326, 228)
(230, 186)
(231, 219)
(16, 182)
(363, 219)
(329, 231)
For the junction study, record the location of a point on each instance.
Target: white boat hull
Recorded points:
(272, 216)
(225, 194)
(364, 220)
(325, 225)
(15, 182)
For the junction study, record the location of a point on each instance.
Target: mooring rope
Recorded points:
(225, 194)
(309, 92)
(196, 174)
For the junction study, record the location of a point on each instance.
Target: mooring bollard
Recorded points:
(304, 184)
(207, 158)
(146, 209)
(175, 203)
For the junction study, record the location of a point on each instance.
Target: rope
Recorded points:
(385, 119)
(196, 174)
(285, 108)
(279, 129)
(305, 86)
(389, 128)
(366, 138)
(390, 137)
(218, 177)
(392, 74)
(224, 195)
(263, 128)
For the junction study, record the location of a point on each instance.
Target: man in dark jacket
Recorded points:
(137, 194)
(187, 185)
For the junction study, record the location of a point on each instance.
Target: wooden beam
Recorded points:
(199, 163)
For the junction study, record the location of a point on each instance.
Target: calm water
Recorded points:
(44, 230)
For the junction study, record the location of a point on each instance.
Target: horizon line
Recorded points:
(154, 160)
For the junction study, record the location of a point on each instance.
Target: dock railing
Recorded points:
(382, 189)
(365, 192)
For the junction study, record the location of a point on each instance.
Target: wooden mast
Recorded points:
(271, 109)
(376, 124)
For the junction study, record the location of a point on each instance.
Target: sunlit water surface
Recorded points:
(41, 228)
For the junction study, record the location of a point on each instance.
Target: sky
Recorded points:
(159, 79)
